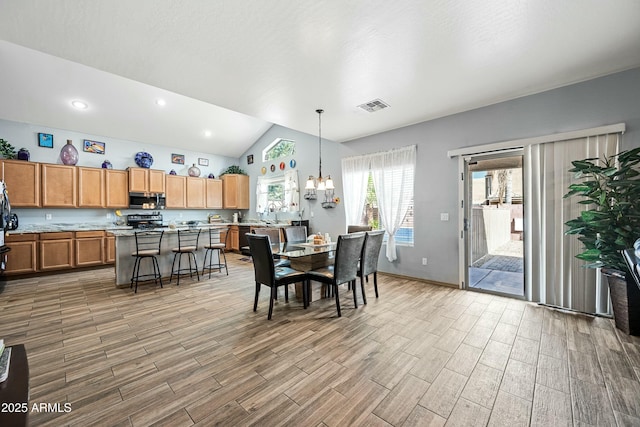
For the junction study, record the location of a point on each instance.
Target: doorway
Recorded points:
(494, 223)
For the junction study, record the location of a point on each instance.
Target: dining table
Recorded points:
(306, 257)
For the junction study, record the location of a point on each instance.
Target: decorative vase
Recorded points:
(69, 154)
(143, 159)
(211, 176)
(173, 172)
(23, 154)
(107, 165)
(194, 170)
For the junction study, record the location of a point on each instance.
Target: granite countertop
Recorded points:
(53, 228)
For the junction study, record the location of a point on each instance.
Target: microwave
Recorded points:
(147, 201)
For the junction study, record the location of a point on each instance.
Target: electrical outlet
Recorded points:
(311, 214)
(444, 216)
(424, 261)
(47, 217)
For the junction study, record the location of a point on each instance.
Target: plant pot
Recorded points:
(625, 299)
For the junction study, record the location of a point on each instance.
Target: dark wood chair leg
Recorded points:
(364, 295)
(274, 291)
(286, 293)
(337, 300)
(255, 300)
(355, 297)
(375, 282)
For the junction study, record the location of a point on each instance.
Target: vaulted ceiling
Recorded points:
(234, 68)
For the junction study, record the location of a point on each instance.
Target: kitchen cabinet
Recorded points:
(116, 188)
(175, 191)
(89, 248)
(56, 251)
(58, 185)
(23, 182)
(234, 238)
(214, 193)
(109, 249)
(235, 191)
(196, 192)
(143, 180)
(91, 187)
(23, 256)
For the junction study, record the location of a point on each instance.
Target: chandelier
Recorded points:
(320, 184)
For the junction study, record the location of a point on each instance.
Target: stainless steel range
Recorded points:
(145, 221)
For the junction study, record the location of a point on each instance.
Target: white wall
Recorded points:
(607, 100)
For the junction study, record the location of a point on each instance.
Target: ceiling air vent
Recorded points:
(373, 106)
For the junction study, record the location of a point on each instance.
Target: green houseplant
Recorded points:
(233, 169)
(611, 190)
(7, 150)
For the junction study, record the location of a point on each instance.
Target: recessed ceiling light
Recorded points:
(161, 102)
(80, 105)
(208, 133)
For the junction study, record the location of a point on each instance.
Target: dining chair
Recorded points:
(274, 239)
(358, 228)
(295, 234)
(369, 259)
(266, 273)
(187, 245)
(344, 269)
(147, 247)
(217, 245)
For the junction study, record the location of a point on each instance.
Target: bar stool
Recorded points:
(216, 245)
(187, 245)
(147, 246)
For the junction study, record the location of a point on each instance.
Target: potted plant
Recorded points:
(612, 192)
(234, 169)
(7, 150)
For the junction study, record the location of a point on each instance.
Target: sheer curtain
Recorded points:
(355, 174)
(553, 274)
(291, 191)
(262, 188)
(393, 173)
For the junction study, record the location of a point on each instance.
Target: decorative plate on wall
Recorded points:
(282, 166)
(263, 170)
(292, 163)
(273, 168)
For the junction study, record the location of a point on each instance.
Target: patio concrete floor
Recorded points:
(501, 271)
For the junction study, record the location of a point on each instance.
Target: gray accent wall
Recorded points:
(603, 101)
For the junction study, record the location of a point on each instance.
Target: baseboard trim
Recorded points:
(419, 279)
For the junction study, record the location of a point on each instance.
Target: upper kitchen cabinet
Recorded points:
(214, 193)
(176, 186)
(116, 188)
(91, 188)
(235, 191)
(23, 182)
(196, 192)
(143, 180)
(58, 185)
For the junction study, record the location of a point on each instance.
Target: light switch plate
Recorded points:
(444, 216)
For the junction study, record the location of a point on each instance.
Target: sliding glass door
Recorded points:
(494, 223)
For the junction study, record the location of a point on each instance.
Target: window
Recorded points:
(371, 216)
(279, 148)
(275, 197)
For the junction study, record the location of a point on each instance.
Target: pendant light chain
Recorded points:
(320, 111)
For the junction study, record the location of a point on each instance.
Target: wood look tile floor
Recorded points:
(419, 355)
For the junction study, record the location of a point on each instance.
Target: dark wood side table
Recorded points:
(14, 392)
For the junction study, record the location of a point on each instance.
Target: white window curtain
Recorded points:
(553, 274)
(291, 191)
(355, 175)
(261, 194)
(393, 174)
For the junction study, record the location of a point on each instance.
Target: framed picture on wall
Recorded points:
(45, 140)
(203, 162)
(250, 159)
(93, 146)
(177, 158)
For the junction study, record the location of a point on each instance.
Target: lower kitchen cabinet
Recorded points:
(23, 256)
(109, 249)
(56, 251)
(89, 248)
